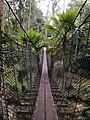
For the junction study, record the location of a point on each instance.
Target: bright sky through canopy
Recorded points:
(46, 6)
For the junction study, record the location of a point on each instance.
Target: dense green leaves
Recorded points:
(67, 18)
(61, 28)
(81, 66)
(55, 20)
(33, 38)
(50, 28)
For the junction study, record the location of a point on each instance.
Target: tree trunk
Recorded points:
(65, 70)
(88, 35)
(2, 91)
(38, 67)
(30, 67)
(20, 7)
(9, 21)
(79, 41)
(52, 66)
(2, 15)
(29, 18)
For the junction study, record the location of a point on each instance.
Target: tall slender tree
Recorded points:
(2, 87)
(2, 15)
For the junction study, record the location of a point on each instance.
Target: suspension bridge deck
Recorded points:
(45, 107)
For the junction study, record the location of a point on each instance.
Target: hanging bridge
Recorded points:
(33, 89)
(45, 107)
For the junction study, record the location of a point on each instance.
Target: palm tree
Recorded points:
(61, 25)
(61, 29)
(34, 38)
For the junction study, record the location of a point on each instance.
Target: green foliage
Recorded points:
(4, 38)
(27, 12)
(66, 19)
(21, 75)
(50, 28)
(33, 38)
(51, 51)
(86, 114)
(58, 70)
(22, 38)
(62, 21)
(60, 27)
(55, 20)
(81, 66)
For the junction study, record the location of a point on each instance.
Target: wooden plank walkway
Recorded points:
(45, 107)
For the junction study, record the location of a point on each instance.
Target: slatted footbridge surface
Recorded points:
(45, 107)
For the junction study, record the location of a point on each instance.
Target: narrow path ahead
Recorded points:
(45, 107)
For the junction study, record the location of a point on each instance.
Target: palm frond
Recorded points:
(50, 28)
(54, 20)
